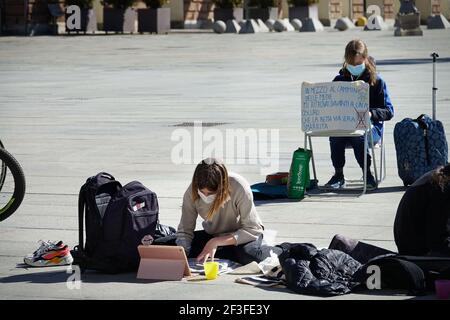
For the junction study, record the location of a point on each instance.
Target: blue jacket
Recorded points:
(379, 102)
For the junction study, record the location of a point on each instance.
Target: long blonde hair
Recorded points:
(211, 174)
(358, 47)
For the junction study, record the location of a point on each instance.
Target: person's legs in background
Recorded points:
(358, 250)
(358, 149)
(337, 147)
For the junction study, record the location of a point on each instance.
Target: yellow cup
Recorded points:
(211, 270)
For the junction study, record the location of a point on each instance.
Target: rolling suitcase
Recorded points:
(420, 144)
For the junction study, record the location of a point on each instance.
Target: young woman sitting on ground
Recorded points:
(232, 228)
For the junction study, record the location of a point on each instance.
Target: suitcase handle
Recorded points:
(424, 126)
(434, 55)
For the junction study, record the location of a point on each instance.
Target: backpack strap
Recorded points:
(81, 206)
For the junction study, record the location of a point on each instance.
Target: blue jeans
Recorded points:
(338, 144)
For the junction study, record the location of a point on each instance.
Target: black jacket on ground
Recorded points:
(323, 272)
(422, 223)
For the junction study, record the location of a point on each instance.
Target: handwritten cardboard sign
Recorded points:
(331, 106)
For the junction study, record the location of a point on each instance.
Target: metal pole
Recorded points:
(434, 55)
(365, 164)
(312, 160)
(350, 9)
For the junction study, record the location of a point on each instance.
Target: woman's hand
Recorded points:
(211, 246)
(208, 251)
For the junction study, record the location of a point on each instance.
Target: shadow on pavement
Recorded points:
(370, 294)
(389, 189)
(273, 201)
(320, 193)
(62, 275)
(354, 192)
(59, 276)
(391, 62)
(394, 293)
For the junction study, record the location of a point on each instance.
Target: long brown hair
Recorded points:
(358, 47)
(212, 175)
(441, 177)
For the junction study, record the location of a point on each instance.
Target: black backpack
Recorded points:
(416, 274)
(117, 219)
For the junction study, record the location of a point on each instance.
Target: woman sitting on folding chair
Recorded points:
(358, 65)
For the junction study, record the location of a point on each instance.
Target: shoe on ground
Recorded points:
(49, 254)
(371, 183)
(336, 182)
(43, 245)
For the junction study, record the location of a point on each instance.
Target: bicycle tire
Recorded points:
(19, 184)
(2, 169)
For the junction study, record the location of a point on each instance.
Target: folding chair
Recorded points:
(382, 166)
(380, 145)
(357, 121)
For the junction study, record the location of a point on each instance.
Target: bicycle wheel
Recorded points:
(2, 169)
(12, 187)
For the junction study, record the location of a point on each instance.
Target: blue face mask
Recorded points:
(356, 70)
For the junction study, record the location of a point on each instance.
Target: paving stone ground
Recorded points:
(72, 106)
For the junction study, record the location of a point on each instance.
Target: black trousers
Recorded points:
(358, 250)
(243, 254)
(338, 144)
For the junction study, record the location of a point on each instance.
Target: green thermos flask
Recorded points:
(298, 179)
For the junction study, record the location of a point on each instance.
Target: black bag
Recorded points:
(413, 273)
(164, 231)
(422, 221)
(116, 220)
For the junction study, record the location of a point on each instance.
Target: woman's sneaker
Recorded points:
(43, 245)
(336, 182)
(49, 254)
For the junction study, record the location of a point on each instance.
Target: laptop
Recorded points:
(163, 263)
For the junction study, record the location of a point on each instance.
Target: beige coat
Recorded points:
(237, 216)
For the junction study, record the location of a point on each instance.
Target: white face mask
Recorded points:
(207, 199)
